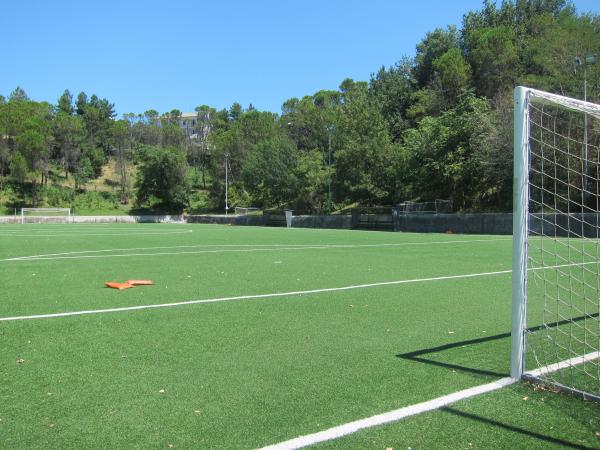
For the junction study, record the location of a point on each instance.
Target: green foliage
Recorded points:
(18, 167)
(97, 159)
(312, 175)
(433, 126)
(452, 76)
(163, 175)
(268, 173)
(84, 172)
(494, 58)
(434, 45)
(65, 103)
(393, 89)
(365, 157)
(440, 155)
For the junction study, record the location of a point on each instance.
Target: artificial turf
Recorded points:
(248, 373)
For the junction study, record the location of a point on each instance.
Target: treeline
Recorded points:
(434, 126)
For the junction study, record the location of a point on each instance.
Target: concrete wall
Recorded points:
(339, 222)
(485, 223)
(109, 219)
(585, 224)
(254, 220)
(572, 225)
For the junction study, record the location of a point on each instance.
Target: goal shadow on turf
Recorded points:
(512, 428)
(421, 355)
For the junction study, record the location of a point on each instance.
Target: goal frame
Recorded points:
(521, 199)
(69, 214)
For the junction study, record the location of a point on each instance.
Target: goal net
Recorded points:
(245, 211)
(556, 242)
(46, 215)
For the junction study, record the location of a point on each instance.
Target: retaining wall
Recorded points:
(485, 223)
(230, 219)
(109, 219)
(585, 224)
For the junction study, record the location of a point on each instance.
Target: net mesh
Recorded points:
(45, 215)
(563, 324)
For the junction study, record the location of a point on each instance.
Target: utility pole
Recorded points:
(226, 181)
(329, 129)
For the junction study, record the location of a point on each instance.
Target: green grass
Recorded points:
(248, 373)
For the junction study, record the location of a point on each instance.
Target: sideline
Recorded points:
(251, 297)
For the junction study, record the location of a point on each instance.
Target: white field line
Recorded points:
(412, 410)
(388, 417)
(252, 297)
(564, 364)
(71, 233)
(242, 247)
(261, 296)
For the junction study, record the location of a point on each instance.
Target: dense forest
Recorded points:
(434, 126)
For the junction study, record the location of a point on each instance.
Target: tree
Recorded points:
(163, 175)
(552, 50)
(4, 160)
(81, 103)
(434, 45)
(121, 152)
(268, 172)
(65, 103)
(84, 172)
(235, 112)
(18, 167)
(393, 88)
(494, 57)
(199, 148)
(312, 176)
(439, 152)
(452, 76)
(365, 159)
(18, 95)
(31, 145)
(69, 136)
(305, 121)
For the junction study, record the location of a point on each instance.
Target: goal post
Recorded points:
(556, 242)
(46, 215)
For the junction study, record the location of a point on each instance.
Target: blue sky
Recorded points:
(163, 55)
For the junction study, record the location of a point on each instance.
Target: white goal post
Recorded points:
(556, 242)
(46, 215)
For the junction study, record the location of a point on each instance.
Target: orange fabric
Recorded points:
(140, 282)
(120, 286)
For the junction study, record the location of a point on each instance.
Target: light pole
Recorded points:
(329, 129)
(226, 181)
(588, 61)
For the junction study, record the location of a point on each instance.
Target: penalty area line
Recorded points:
(252, 297)
(419, 408)
(389, 417)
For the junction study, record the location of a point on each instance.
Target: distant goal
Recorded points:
(46, 215)
(556, 242)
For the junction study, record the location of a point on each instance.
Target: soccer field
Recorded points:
(252, 336)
